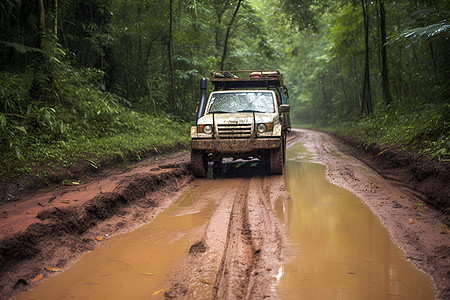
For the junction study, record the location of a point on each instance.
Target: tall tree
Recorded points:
(170, 57)
(387, 97)
(227, 35)
(366, 94)
(55, 20)
(42, 21)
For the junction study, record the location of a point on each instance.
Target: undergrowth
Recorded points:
(55, 114)
(153, 136)
(423, 129)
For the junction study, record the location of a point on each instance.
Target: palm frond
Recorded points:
(420, 35)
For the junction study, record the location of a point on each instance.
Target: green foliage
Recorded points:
(150, 135)
(423, 129)
(324, 68)
(99, 84)
(57, 115)
(94, 127)
(95, 80)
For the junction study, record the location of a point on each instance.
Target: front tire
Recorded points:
(277, 160)
(199, 164)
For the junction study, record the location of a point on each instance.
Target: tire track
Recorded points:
(244, 241)
(267, 235)
(237, 263)
(254, 242)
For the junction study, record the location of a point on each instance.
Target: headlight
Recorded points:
(205, 129)
(264, 127)
(261, 128)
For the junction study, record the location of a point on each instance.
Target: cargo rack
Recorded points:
(241, 79)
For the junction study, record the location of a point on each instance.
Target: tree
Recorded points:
(387, 97)
(366, 95)
(170, 52)
(55, 20)
(227, 35)
(42, 21)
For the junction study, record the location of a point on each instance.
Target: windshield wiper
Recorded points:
(218, 112)
(250, 110)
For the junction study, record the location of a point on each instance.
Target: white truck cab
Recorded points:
(247, 116)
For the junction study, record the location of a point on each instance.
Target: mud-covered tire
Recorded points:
(198, 164)
(277, 160)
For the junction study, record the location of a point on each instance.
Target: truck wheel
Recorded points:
(198, 164)
(277, 161)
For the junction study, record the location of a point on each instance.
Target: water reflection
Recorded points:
(339, 248)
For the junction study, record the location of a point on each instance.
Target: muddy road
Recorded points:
(237, 235)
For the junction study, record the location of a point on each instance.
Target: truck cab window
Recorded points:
(233, 102)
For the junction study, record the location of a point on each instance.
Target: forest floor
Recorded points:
(47, 230)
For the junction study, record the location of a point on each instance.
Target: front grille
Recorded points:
(233, 131)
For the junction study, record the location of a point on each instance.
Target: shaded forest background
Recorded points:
(87, 79)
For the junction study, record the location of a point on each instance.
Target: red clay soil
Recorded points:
(427, 178)
(55, 225)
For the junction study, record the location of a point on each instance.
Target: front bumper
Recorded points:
(235, 145)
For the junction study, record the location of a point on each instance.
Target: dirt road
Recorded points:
(240, 249)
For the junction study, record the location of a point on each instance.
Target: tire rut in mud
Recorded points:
(244, 241)
(237, 262)
(60, 235)
(267, 234)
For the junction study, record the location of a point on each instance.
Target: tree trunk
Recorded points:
(387, 97)
(55, 21)
(42, 21)
(400, 83)
(366, 97)
(341, 79)
(220, 10)
(433, 60)
(228, 34)
(171, 96)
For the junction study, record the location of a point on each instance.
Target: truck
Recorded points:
(246, 116)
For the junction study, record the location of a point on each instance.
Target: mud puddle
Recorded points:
(134, 265)
(338, 248)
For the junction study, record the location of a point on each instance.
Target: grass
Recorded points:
(422, 129)
(131, 145)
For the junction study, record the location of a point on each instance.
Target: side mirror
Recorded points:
(284, 108)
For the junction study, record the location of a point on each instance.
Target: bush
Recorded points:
(60, 115)
(423, 129)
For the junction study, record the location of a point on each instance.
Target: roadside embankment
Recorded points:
(428, 177)
(50, 229)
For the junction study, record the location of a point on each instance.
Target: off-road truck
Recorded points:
(246, 116)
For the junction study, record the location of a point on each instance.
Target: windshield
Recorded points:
(241, 102)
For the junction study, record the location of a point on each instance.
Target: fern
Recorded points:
(422, 34)
(20, 48)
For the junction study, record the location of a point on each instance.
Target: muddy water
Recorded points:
(339, 249)
(134, 265)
